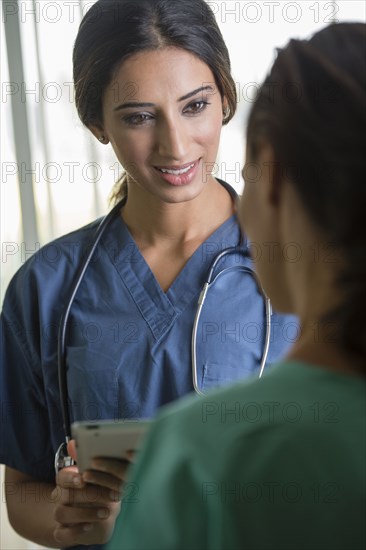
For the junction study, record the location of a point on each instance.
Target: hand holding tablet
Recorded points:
(108, 439)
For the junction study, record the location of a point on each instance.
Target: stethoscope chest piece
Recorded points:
(62, 458)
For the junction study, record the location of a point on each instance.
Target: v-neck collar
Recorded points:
(159, 308)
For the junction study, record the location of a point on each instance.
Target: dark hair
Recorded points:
(311, 109)
(112, 30)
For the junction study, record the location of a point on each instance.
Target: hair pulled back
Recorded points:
(311, 109)
(112, 30)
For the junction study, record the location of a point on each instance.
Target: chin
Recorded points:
(179, 194)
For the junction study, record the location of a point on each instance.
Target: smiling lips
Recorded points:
(178, 175)
(176, 170)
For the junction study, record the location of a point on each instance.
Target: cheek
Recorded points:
(265, 246)
(131, 148)
(213, 130)
(207, 132)
(254, 227)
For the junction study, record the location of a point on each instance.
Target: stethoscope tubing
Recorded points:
(61, 340)
(201, 300)
(61, 458)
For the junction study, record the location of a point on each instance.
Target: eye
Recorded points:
(138, 119)
(196, 107)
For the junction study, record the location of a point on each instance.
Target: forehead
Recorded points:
(157, 73)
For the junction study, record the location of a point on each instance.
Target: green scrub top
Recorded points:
(277, 463)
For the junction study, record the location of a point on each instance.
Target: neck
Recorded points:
(315, 294)
(319, 345)
(152, 221)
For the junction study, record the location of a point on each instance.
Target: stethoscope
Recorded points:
(201, 300)
(62, 459)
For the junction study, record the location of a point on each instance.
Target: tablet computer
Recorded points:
(107, 438)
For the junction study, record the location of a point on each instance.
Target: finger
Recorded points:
(102, 479)
(67, 535)
(111, 466)
(71, 449)
(55, 495)
(69, 477)
(89, 495)
(84, 534)
(98, 532)
(74, 515)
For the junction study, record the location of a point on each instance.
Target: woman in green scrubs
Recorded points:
(279, 463)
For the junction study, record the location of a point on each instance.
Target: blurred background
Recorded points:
(55, 177)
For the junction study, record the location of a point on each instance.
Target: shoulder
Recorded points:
(47, 274)
(253, 442)
(64, 250)
(290, 409)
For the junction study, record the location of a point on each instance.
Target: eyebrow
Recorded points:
(201, 89)
(135, 104)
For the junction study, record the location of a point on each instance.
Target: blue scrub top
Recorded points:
(128, 342)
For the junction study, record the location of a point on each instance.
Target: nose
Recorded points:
(172, 139)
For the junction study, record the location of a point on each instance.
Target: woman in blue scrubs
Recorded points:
(153, 80)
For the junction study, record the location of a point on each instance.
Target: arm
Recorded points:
(30, 507)
(66, 514)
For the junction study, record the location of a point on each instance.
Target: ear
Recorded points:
(99, 133)
(225, 109)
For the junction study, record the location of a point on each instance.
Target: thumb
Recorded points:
(71, 449)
